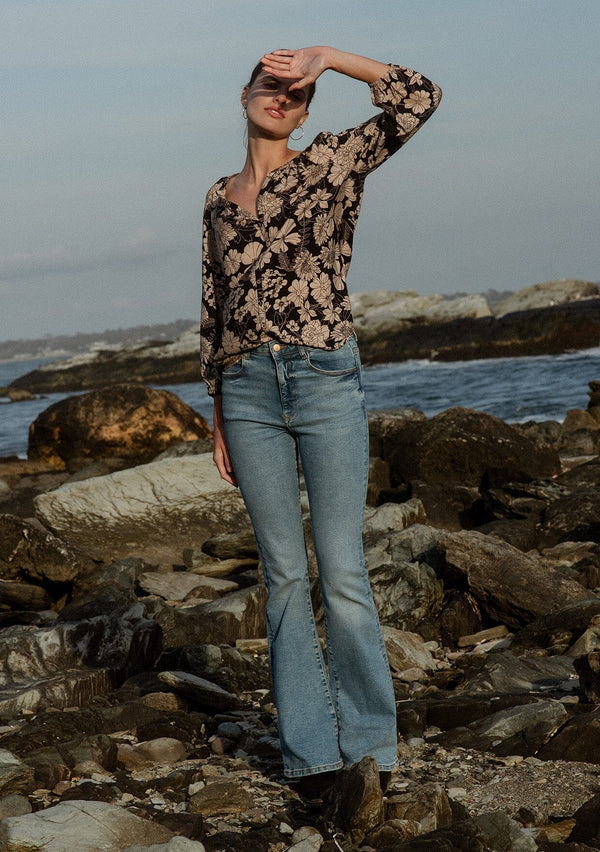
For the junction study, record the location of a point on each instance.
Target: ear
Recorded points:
(303, 119)
(244, 97)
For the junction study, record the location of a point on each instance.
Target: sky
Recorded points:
(118, 115)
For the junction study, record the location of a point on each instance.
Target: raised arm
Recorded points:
(308, 63)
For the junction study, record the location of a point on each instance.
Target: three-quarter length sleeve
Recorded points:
(210, 325)
(407, 99)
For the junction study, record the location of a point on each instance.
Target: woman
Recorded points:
(279, 355)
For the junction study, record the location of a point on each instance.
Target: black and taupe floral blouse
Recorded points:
(282, 274)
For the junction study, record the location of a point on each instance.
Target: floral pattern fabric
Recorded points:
(282, 273)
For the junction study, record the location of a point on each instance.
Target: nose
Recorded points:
(280, 97)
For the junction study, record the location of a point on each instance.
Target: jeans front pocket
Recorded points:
(232, 371)
(335, 362)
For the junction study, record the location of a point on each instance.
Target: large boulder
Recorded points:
(153, 511)
(546, 295)
(575, 517)
(465, 448)
(512, 587)
(128, 421)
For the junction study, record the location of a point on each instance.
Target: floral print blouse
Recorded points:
(282, 274)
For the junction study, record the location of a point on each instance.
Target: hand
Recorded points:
(306, 64)
(221, 453)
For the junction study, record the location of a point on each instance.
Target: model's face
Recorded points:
(272, 107)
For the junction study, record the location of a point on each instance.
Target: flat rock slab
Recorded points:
(70, 688)
(154, 511)
(202, 691)
(406, 650)
(520, 730)
(84, 826)
(178, 585)
(221, 797)
(512, 587)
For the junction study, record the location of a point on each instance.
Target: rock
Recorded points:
(221, 797)
(427, 805)
(158, 363)
(72, 687)
(559, 629)
(391, 517)
(392, 832)
(27, 550)
(383, 425)
(201, 691)
(130, 421)
(588, 669)
(511, 587)
(464, 447)
(582, 476)
(179, 585)
(379, 481)
(406, 650)
(587, 823)
(176, 844)
(85, 826)
(225, 666)
(405, 593)
(312, 843)
(15, 776)
(504, 673)
(163, 751)
(153, 511)
(236, 545)
(460, 616)
(518, 730)
(580, 434)
(578, 740)
(209, 566)
(14, 805)
(594, 395)
(381, 312)
(452, 507)
(186, 448)
(356, 801)
(19, 595)
(503, 834)
(498, 632)
(575, 517)
(237, 615)
(547, 294)
(461, 836)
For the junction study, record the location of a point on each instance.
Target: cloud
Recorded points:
(138, 249)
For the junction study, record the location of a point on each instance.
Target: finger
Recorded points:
(224, 466)
(273, 59)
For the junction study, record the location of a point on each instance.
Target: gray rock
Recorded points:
(27, 550)
(405, 593)
(502, 833)
(72, 687)
(176, 844)
(153, 511)
(14, 805)
(503, 672)
(311, 843)
(163, 751)
(15, 776)
(178, 585)
(547, 294)
(559, 629)
(201, 691)
(511, 587)
(518, 730)
(85, 826)
(237, 615)
(391, 517)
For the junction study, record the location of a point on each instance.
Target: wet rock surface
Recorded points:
(135, 698)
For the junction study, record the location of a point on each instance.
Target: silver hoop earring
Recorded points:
(297, 138)
(244, 113)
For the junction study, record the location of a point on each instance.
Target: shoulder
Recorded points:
(217, 190)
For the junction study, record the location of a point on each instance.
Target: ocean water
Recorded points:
(514, 389)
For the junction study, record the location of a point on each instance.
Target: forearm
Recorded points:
(353, 65)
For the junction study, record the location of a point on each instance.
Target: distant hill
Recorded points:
(64, 345)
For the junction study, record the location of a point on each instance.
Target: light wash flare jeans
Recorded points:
(280, 403)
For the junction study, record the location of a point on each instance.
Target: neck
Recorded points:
(264, 155)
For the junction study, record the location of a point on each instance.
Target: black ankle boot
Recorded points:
(315, 786)
(384, 780)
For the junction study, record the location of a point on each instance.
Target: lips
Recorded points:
(275, 113)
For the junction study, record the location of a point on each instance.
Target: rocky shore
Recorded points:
(549, 318)
(135, 698)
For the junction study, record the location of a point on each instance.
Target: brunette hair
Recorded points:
(310, 89)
